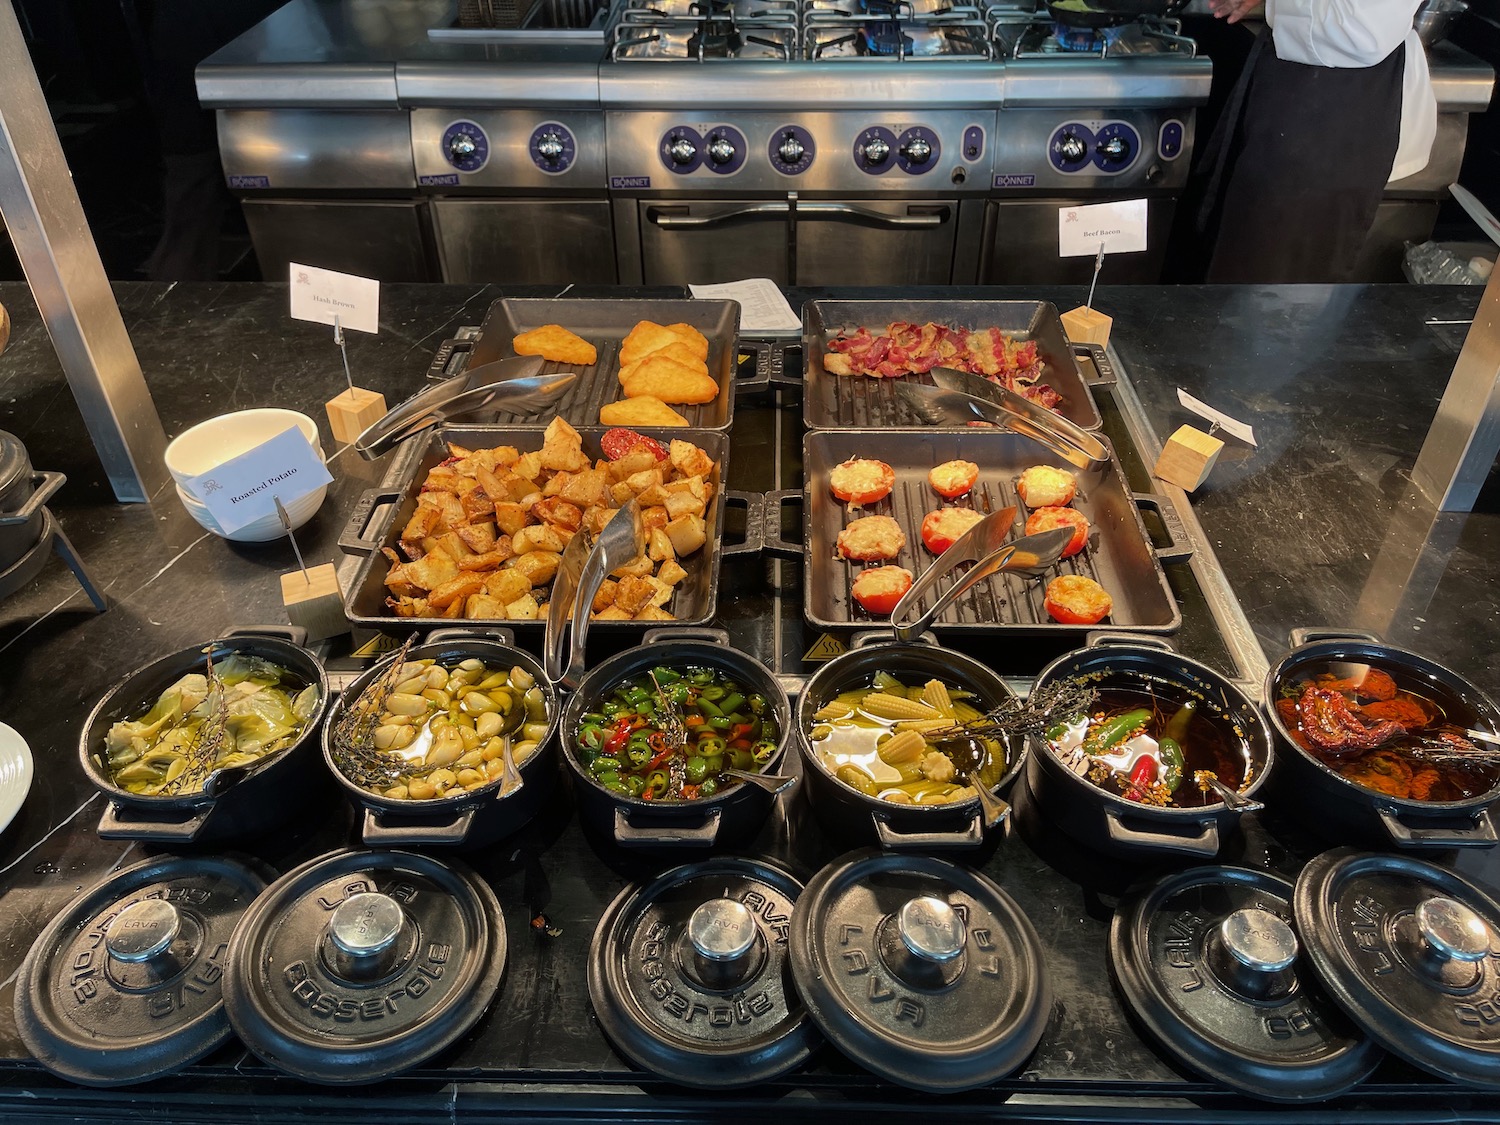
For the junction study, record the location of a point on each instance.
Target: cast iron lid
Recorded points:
(1208, 961)
(1412, 952)
(359, 965)
(15, 468)
(925, 972)
(689, 976)
(125, 984)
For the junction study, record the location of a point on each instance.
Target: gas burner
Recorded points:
(884, 38)
(1085, 38)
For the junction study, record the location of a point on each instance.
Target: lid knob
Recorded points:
(365, 924)
(142, 930)
(931, 929)
(1259, 940)
(1453, 930)
(722, 929)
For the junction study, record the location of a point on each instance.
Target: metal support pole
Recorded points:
(1465, 435)
(46, 224)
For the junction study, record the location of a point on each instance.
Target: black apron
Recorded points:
(1289, 183)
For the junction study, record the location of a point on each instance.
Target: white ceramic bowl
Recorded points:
(209, 444)
(263, 530)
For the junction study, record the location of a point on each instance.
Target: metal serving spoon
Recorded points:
(1234, 801)
(969, 756)
(772, 783)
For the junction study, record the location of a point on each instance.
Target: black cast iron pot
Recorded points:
(730, 816)
(268, 795)
(23, 494)
(1108, 822)
(855, 817)
(1349, 812)
(478, 817)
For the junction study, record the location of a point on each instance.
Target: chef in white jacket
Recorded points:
(1335, 101)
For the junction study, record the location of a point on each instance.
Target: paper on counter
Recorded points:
(762, 307)
(246, 488)
(1217, 417)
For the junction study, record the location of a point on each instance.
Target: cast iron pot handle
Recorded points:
(1205, 843)
(687, 633)
(1481, 835)
(42, 489)
(970, 837)
(377, 834)
(755, 524)
(1106, 639)
(765, 378)
(881, 637)
(1311, 634)
(352, 538)
(116, 824)
(459, 633)
(1178, 550)
(1099, 358)
(293, 634)
(772, 543)
(628, 835)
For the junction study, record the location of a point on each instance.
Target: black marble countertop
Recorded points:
(1314, 526)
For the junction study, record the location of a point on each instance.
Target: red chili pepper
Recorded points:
(646, 795)
(657, 741)
(660, 760)
(1142, 776)
(740, 730)
(740, 744)
(689, 792)
(618, 737)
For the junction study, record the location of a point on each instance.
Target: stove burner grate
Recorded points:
(884, 38)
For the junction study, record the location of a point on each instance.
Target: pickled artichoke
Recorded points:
(253, 709)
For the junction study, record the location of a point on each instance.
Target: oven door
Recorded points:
(1020, 246)
(876, 242)
(697, 242)
(525, 241)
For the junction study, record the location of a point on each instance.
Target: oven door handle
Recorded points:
(917, 217)
(678, 218)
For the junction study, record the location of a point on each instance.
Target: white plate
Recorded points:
(15, 774)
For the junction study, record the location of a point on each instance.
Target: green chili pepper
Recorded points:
(639, 755)
(763, 750)
(715, 762)
(741, 759)
(709, 787)
(665, 676)
(731, 703)
(595, 718)
(603, 764)
(1172, 762)
(657, 782)
(590, 738)
(1057, 730)
(696, 769)
(710, 744)
(1177, 727)
(757, 703)
(709, 710)
(702, 676)
(713, 693)
(680, 694)
(721, 723)
(635, 784)
(1112, 732)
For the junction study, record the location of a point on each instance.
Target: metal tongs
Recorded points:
(514, 384)
(586, 562)
(960, 398)
(986, 547)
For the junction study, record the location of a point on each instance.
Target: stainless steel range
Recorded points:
(883, 141)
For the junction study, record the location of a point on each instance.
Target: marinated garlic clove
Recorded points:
(487, 725)
(402, 703)
(521, 679)
(420, 789)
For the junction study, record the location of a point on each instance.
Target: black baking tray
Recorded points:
(861, 402)
(605, 324)
(1120, 556)
(381, 514)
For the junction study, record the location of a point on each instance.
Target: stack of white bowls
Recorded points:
(209, 444)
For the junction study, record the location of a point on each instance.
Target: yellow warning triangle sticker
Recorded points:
(824, 648)
(378, 645)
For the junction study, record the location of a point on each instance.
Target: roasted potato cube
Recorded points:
(528, 465)
(407, 607)
(522, 609)
(596, 517)
(653, 497)
(558, 513)
(459, 587)
(653, 613)
(489, 560)
(613, 613)
(660, 547)
(687, 532)
(459, 452)
(450, 511)
(556, 483)
(476, 504)
(538, 537)
(661, 592)
(478, 537)
(518, 487)
(483, 605)
(688, 459)
(562, 448)
(684, 504)
(621, 493)
(455, 609)
(633, 593)
(431, 570)
(423, 522)
(505, 586)
(511, 517)
(646, 478)
(636, 568)
(586, 488)
(537, 566)
(637, 460)
(655, 516)
(693, 486)
(606, 595)
(671, 572)
(452, 542)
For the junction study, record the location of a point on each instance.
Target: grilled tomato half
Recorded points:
(942, 528)
(871, 539)
(1075, 600)
(879, 588)
(1045, 519)
(862, 481)
(952, 479)
(1042, 486)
